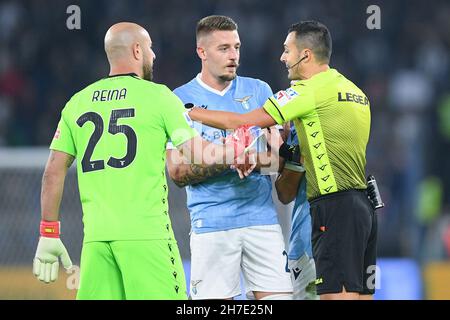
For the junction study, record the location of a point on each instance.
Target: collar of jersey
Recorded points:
(204, 85)
(315, 78)
(132, 74)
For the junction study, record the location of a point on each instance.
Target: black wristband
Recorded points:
(296, 154)
(285, 151)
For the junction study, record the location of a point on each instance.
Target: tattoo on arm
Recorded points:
(69, 161)
(200, 172)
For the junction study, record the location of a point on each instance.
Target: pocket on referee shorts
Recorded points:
(321, 222)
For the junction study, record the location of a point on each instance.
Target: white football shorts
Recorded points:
(217, 259)
(303, 274)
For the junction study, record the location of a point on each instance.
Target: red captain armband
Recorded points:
(50, 229)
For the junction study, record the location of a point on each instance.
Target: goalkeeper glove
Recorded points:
(49, 249)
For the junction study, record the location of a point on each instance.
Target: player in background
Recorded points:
(117, 129)
(234, 222)
(291, 186)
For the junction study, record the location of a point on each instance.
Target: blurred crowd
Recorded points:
(404, 68)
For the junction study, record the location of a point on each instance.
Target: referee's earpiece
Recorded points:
(305, 57)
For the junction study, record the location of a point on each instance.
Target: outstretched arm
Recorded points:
(231, 120)
(184, 173)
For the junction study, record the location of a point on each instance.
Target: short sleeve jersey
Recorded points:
(117, 128)
(332, 118)
(226, 202)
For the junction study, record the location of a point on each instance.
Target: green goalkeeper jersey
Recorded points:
(117, 128)
(332, 118)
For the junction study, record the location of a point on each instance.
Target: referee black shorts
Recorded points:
(344, 236)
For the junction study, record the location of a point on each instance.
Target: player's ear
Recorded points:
(307, 54)
(201, 53)
(137, 51)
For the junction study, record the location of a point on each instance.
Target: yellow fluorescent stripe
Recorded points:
(319, 155)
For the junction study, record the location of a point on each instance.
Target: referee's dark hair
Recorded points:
(214, 23)
(315, 36)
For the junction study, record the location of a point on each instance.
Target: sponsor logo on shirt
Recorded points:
(291, 92)
(214, 135)
(351, 97)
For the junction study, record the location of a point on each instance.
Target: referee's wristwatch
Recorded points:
(189, 106)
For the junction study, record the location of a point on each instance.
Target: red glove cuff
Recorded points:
(50, 229)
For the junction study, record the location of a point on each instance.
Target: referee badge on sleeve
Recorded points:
(285, 96)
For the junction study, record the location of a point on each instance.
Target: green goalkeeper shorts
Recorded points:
(146, 269)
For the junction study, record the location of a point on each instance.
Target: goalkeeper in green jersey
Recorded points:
(117, 129)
